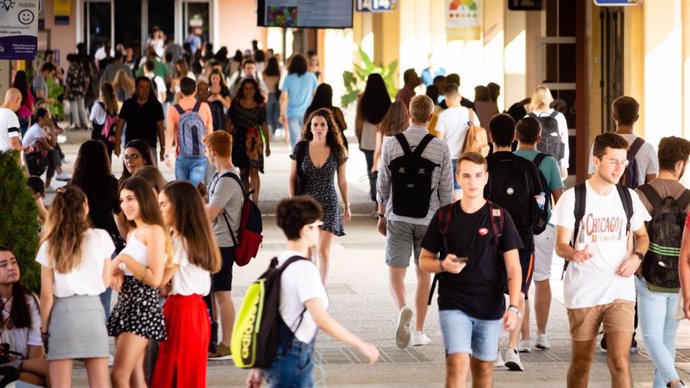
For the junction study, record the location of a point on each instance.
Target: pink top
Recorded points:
(25, 108)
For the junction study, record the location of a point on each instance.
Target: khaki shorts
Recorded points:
(617, 316)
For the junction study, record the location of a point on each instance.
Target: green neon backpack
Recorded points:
(255, 335)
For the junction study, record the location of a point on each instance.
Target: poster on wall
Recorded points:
(463, 20)
(61, 11)
(18, 29)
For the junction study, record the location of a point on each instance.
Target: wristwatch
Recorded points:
(514, 308)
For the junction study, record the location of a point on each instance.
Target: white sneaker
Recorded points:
(402, 332)
(513, 360)
(63, 177)
(524, 346)
(420, 339)
(499, 363)
(542, 342)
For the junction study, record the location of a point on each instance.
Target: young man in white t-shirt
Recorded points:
(452, 125)
(9, 123)
(626, 111)
(598, 286)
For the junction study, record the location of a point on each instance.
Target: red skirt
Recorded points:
(182, 357)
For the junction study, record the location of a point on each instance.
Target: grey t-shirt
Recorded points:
(227, 194)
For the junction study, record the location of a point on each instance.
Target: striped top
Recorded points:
(441, 180)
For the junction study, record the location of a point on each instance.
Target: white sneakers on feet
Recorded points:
(402, 332)
(63, 177)
(513, 360)
(542, 342)
(524, 346)
(420, 339)
(499, 363)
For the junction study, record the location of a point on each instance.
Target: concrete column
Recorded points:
(514, 87)
(493, 37)
(663, 70)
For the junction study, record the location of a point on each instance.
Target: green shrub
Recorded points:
(354, 81)
(19, 219)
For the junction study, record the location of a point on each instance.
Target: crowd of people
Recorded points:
(471, 195)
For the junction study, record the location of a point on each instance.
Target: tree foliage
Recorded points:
(354, 81)
(19, 218)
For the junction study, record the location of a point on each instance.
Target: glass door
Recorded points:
(98, 26)
(196, 15)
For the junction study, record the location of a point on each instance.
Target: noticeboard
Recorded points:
(18, 29)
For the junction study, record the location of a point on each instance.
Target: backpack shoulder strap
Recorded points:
(626, 198)
(197, 105)
(403, 143)
(532, 114)
(651, 194)
(290, 261)
(225, 216)
(635, 147)
(539, 158)
(235, 177)
(444, 217)
(179, 109)
(553, 114)
(497, 217)
(580, 205)
(684, 200)
(422, 144)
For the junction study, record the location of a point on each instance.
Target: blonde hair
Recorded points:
(65, 228)
(122, 81)
(541, 98)
(420, 108)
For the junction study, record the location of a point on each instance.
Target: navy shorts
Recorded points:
(222, 280)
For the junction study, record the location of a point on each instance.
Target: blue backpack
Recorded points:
(190, 131)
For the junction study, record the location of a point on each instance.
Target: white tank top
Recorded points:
(137, 250)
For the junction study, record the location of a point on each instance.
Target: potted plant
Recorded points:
(354, 80)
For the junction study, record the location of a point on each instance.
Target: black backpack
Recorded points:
(411, 177)
(581, 205)
(542, 211)
(445, 216)
(660, 264)
(510, 186)
(629, 178)
(551, 142)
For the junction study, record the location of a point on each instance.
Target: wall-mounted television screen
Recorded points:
(305, 13)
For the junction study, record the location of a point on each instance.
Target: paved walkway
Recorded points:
(360, 299)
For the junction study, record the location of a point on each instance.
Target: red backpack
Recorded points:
(249, 237)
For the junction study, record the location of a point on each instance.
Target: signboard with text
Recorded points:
(615, 3)
(376, 5)
(18, 29)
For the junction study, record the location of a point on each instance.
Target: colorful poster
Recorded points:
(18, 29)
(463, 20)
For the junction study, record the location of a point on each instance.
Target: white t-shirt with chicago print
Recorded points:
(594, 282)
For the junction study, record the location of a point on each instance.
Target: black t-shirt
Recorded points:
(477, 290)
(526, 235)
(142, 120)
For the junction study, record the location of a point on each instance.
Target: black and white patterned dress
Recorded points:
(320, 184)
(138, 309)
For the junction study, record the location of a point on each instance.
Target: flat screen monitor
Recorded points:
(305, 13)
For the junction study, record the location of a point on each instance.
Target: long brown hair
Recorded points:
(123, 81)
(149, 212)
(396, 120)
(192, 223)
(333, 137)
(109, 99)
(65, 228)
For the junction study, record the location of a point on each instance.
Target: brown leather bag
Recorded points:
(476, 139)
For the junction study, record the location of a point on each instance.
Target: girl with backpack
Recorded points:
(137, 273)
(104, 118)
(551, 121)
(301, 318)
(75, 270)
(182, 357)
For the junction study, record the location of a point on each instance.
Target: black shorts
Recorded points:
(222, 280)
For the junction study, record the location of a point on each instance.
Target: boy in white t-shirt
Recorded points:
(452, 125)
(626, 111)
(598, 286)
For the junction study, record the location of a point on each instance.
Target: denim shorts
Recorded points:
(293, 364)
(464, 334)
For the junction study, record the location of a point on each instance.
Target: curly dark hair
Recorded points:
(375, 100)
(333, 137)
(258, 98)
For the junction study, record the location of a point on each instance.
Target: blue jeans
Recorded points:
(657, 314)
(293, 364)
(295, 128)
(465, 334)
(192, 169)
(456, 185)
(273, 112)
(105, 297)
